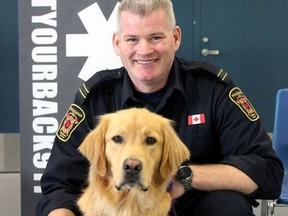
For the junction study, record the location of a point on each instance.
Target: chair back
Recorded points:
(280, 138)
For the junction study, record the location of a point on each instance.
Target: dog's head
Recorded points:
(135, 147)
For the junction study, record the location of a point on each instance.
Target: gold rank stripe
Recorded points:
(222, 74)
(84, 91)
(85, 88)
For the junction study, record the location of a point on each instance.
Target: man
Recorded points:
(232, 161)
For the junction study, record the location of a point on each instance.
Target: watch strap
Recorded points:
(187, 184)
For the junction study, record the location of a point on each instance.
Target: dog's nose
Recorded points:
(132, 166)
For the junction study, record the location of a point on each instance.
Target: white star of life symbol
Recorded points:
(97, 44)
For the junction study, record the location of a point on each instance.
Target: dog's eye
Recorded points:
(150, 140)
(117, 139)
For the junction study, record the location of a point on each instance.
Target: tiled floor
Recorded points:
(10, 194)
(9, 152)
(10, 175)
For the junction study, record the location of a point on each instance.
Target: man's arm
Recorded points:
(221, 177)
(66, 172)
(61, 212)
(217, 177)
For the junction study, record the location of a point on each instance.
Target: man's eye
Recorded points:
(150, 140)
(132, 40)
(118, 139)
(156, 38)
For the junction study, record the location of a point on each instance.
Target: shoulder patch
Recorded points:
(73, 118)
(238, 97)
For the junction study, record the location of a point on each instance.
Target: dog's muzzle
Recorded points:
(132, 168)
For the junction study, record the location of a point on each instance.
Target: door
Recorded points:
(249, 39)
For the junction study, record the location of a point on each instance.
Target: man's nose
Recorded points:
(145, 47)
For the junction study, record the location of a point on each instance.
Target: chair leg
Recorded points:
(264, 208)
(267, 207)
(270, 205)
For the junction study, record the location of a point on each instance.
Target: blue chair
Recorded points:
(280, 144)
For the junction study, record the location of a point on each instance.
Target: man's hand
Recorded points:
(61, 212)
(176, 189)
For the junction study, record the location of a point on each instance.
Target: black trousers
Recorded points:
(215, 203)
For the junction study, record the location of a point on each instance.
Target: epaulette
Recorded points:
(84, 90)
(208, 67)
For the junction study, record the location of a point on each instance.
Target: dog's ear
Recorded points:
(174, 152)
(93, 147)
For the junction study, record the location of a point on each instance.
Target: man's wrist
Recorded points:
(184, 175)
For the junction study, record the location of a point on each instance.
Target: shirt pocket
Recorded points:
(203, 145)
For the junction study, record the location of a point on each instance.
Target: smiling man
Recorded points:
(232, 160)
(147, 46)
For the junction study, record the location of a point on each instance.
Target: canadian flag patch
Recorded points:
(196, 119)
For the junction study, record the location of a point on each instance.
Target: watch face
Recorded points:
(183, 172)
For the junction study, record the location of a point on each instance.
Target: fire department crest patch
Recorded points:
(74, 116)
(238, 97)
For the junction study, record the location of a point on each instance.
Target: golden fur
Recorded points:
(133, 153)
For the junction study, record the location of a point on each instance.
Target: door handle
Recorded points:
(206, 52)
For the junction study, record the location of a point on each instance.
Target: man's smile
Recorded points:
(146, 62)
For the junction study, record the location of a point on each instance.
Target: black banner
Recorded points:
(62, 44)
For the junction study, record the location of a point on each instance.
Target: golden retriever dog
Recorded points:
(133, 154)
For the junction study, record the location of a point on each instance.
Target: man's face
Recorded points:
(147, 46)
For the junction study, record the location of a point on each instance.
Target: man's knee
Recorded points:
(223, 203)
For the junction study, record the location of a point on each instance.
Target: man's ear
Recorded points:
(116, 43)
(177, 37)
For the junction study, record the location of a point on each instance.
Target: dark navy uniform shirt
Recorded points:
(212, 117)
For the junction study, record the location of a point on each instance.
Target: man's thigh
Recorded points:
(217, 203)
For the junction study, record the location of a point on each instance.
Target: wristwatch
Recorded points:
(184, 175)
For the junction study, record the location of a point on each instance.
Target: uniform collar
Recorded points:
(174, 84)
